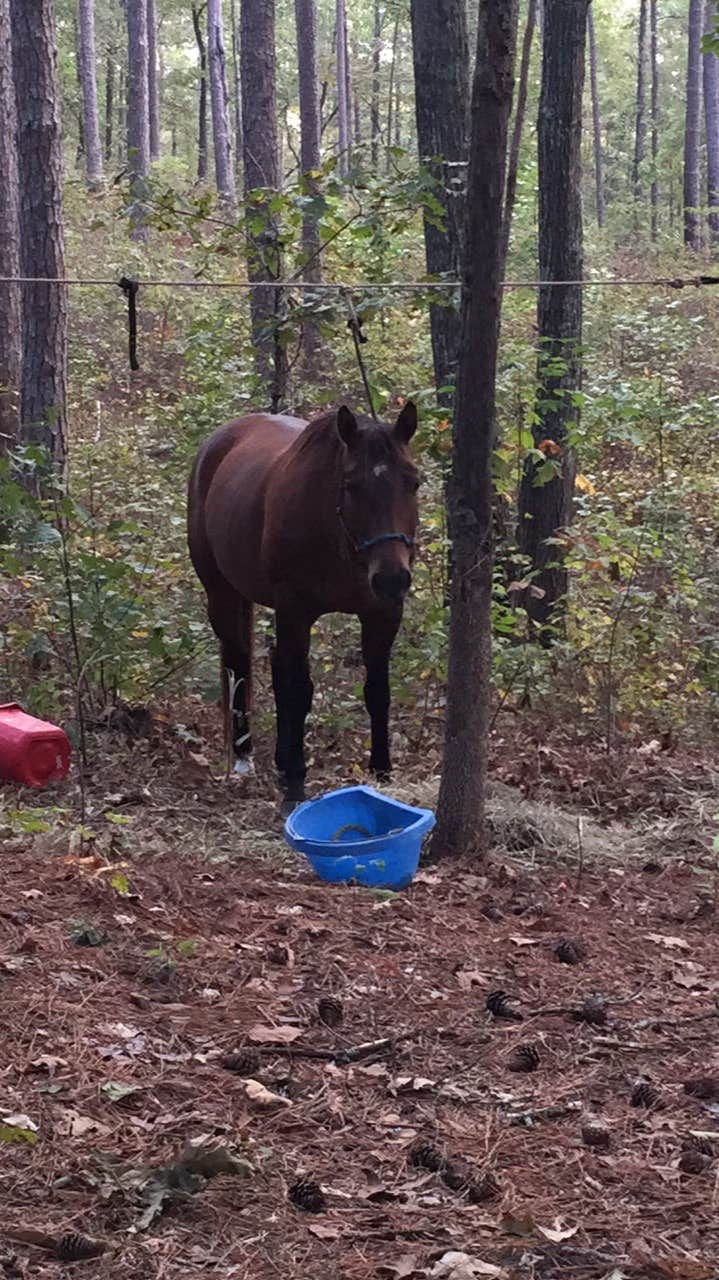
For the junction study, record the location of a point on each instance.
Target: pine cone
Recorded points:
(278, 953)
(244, 1062)
(693, 1161)
(330, 1011)
(485, 1188)
(308, 1196)
(497, 1003)
(592, 1010)
(704, 1087)
(569, 952)
(458, 1175)
(693, 1142)
(425, 1156)
(73, 1247)
(644, 1095)
(596, 1134)
(525, 1058)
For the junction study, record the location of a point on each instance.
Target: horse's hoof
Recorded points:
(244, 767)
(287, 807)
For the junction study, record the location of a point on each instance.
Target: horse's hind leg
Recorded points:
(231, 618)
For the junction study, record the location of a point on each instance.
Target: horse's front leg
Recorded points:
(378, 634)
(293, 698)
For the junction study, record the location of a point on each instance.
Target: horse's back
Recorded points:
(227, 495)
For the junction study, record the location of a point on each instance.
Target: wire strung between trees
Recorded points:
(666, 282)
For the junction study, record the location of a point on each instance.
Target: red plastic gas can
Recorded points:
(31, 751)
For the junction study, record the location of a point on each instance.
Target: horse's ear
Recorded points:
(406, 424)
(347, 428)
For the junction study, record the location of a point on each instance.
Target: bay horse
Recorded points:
(307, 519)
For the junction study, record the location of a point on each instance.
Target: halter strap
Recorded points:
(365, 545)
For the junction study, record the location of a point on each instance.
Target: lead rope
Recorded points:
(354, 324)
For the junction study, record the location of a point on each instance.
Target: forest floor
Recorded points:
(131, 966)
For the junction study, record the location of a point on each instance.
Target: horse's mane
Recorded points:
(321, 433)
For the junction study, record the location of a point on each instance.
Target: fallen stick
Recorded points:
(340, 1056)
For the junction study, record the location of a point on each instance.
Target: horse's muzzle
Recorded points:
(391, 585)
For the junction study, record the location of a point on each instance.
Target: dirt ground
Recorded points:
(184, 931)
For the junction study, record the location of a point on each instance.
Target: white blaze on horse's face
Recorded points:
(378, 500)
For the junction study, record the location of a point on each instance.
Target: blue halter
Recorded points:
(384, 537)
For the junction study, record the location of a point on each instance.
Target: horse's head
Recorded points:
(378, 499)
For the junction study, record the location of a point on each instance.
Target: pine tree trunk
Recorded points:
(545, 508)
(42, 242)
(640, 127)
(654, 59)
(460, 810)
(202, 95)
(259, 117)
(692, 127)
(138, 119)
(441, 90)
(80, 149)
(153, 87)
(88, 81)
(121, 119)
(519, 113)
(10, 295)
(390, 95)
(374, 102)
(711, 116)
(596, 120)
(236, 90)
(219, 97)
(306, 19)
(109, 102)
(343, 119)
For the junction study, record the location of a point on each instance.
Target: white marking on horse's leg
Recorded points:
(244, 767)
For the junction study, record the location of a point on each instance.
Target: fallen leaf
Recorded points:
(262, 1098)
(46, 1064)
(324, 1232)
(407, 1265)
(520, 941)
(412, 1084)
(23, 1121)
(115, 1090)
(203, 1156)
(273, 1035)
(76, 1125)
(121, 918)
(462, 1266)
(31, 893)
(120, 1030)
(515, 1225)
(468, 978)
(666, 940)
(376, 1071)
(557, 1233)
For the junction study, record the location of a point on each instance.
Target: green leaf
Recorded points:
(15, 1133)
(120, 883)
(115, 1090)
(118, 819)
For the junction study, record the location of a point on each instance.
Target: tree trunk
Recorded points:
(520, 109)
(224, 176)
(306, 19)
(692, 127)
(460, 809)
(374, 102)
(138, 120)
(259, 116)
(88, 81)
(654, 60)
(640, 127)
(109, 102)
(42, 243)
(343, 118)
(236, 90)
(711, 116)
(441, 91)
(80, 149)
(153, 86)
(596, 120)
(545, 500)
(390, 95)
(202, 95)
(10, 295)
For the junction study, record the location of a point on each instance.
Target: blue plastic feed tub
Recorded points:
(358, 835)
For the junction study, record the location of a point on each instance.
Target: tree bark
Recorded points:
(460, 809)
(390, 95)
(138, 119)
(441, 90)
(236, 90)
(545, 499)
(640, 125)
(519, 113)
(42, 243)
(202, 94)
(711, 117)
(692, 126)
(109, 102)
(219, 97)
(259, 116)
(596, 121)
(654, 59)
(10, 295)
(374, 101)
(88, 81)
(306, 19)
(153, 86)
(343, 118)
